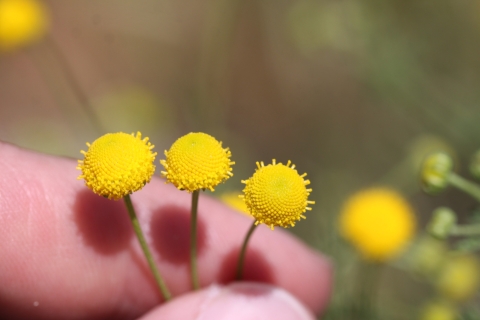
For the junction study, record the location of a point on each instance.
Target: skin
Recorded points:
(66, 253)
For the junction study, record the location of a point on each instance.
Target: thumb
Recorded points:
(245, 301)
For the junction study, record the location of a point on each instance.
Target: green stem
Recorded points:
(241, 258)
(193, 241)
(368, 280)
(466, 230)
(143, 243)
(466, 186)
(71, 79)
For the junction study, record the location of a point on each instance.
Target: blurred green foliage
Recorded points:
(355, 93)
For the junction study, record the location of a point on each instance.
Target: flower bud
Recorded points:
(442, 222)
(435, 171)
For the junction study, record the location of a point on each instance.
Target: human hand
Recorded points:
(66, 253)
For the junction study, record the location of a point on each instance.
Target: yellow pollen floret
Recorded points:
(276, 195)
(117, 164)
(21, 22)
(197, 161)
(378, 222)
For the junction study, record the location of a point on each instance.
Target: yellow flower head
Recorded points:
(117, 164)
(378, 222)
(197, 161)
(277, 195)
(460, 278)
(21, 22)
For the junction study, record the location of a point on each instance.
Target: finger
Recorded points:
(66, 252)
(238, 301)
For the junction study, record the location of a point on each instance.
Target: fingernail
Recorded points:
(252, 301)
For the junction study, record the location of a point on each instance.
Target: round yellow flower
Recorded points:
(276, 195)
(117, 164)
(378, 222)
(21, 22)
(460, 278)
(197, 161)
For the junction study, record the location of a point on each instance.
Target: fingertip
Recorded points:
(76, 246)
(244, 301)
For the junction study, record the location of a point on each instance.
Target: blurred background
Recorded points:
(355, 93)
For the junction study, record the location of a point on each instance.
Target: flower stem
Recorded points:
(463, 184)
(143, 243)
(193, 241)
(72, 80)
(368, 280)
(241, 258)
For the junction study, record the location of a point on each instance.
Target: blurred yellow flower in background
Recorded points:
(276, 195)
(21, 22)
(438, 311)
(233, 200)
(459, 279)
(197, 161)
(134, 106)
(427, 255)
(378, 222)
(117, 164)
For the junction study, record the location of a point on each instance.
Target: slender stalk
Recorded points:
(466, 186)
(215, 63)
(193, 241)
(241, 258)
(71, 79)
(466, 230)
(143, 243)
(367, 285)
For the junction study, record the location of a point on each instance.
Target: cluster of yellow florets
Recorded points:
(276, 195)
(117, 164)
(378, 222)
(197, 161)
(21, 22)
